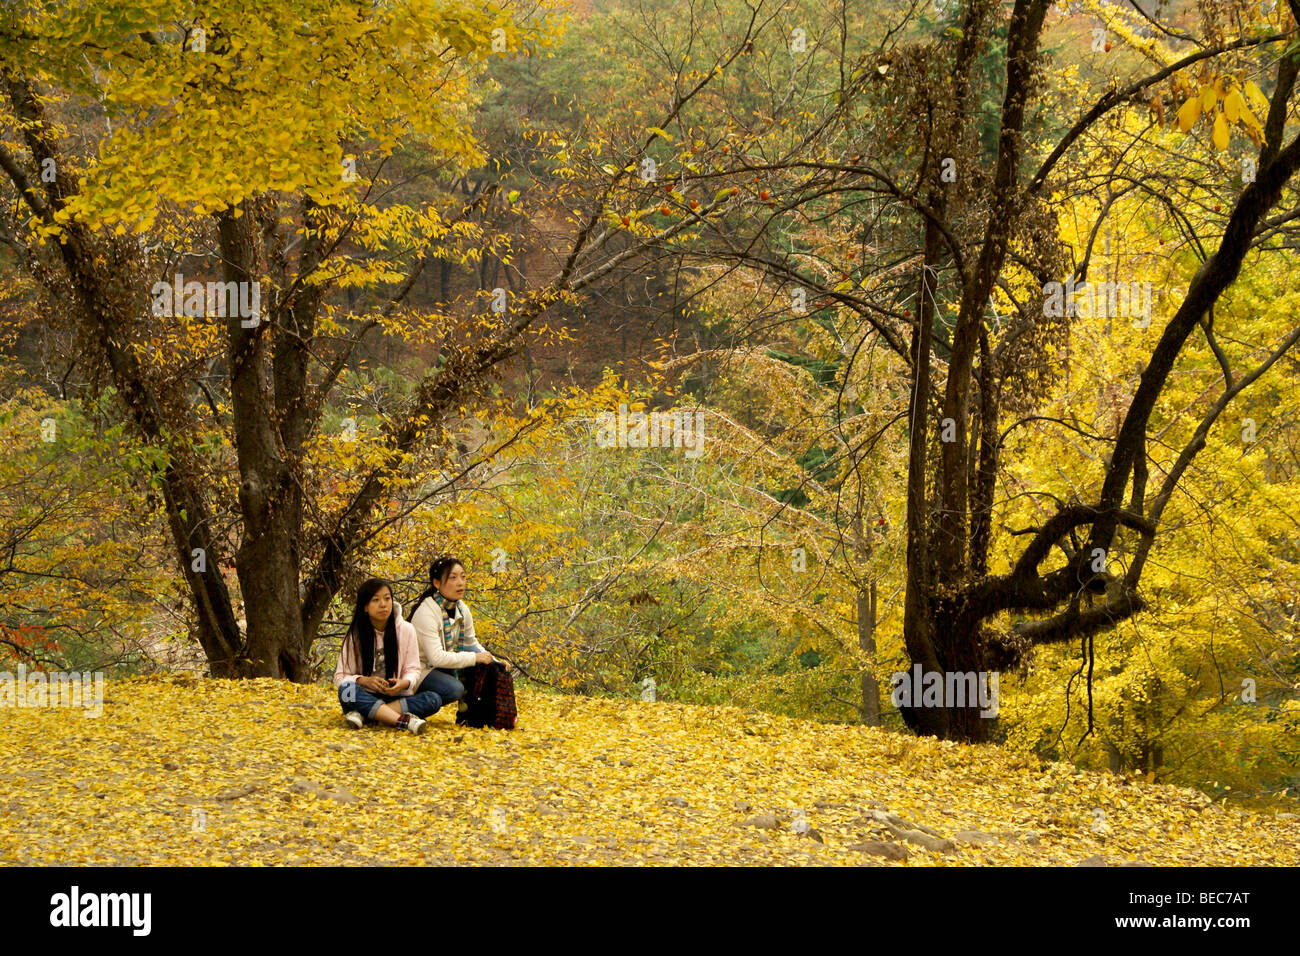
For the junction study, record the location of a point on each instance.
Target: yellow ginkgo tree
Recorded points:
(226, 206)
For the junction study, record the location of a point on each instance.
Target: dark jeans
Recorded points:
(443, 685)
(355, 697)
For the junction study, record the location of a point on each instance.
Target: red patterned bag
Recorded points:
(489, 697)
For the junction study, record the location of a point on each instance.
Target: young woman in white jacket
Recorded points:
(444, 630)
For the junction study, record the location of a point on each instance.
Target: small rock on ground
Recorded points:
(890, 851)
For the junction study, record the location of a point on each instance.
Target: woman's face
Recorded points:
(380, 606)
(453, 585)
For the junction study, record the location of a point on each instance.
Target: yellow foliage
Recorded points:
(185, 772)
(1220, 134)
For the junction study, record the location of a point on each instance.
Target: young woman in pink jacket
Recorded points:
(379, 665)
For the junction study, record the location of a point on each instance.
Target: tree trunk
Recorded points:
(867, 641)
(267, 561)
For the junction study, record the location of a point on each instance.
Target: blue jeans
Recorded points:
(443, 685)
(355, 697)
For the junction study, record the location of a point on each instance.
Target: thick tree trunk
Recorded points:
(945, 642)
(967, 687)
(268, 560)
(918, 613)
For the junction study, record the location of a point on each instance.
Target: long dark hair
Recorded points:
(438, 570)
(362, 632)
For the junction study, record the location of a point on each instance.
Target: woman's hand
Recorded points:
(373, 684)
(483, 657)
(397, 686)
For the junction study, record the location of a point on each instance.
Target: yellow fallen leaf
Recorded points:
(1208, 96)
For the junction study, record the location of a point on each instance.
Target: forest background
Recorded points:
(823, 236)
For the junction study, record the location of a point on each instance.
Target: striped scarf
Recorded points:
(451, 623)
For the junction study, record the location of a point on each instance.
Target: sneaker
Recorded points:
(354, 719)
(416, 724)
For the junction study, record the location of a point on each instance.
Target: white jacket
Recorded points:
(434, 652)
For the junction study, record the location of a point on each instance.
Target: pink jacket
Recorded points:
(408, 658)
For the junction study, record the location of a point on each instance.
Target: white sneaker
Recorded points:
(354, 719)
(416, 724)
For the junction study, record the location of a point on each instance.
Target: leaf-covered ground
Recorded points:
(185, 771)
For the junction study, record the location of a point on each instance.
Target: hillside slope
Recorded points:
(185, 771)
